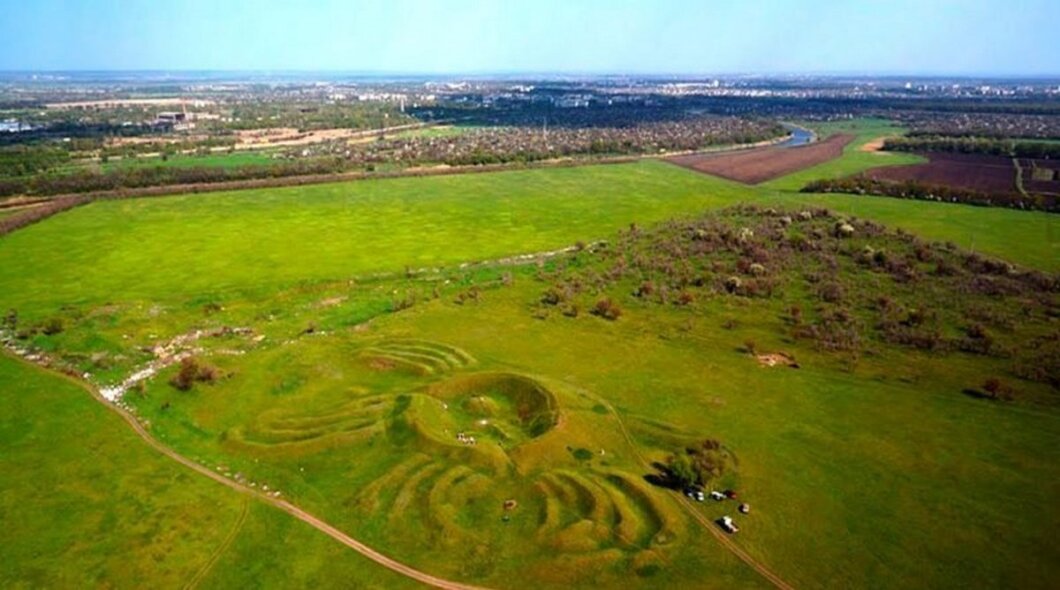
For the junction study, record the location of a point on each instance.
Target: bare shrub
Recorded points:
(831, 292)
(607, 309)
(191, 372)
(52, 326)
(997, 390)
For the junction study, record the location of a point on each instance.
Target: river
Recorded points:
(799, 136)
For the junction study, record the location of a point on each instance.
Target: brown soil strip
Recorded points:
(760, 165)
(987, 174)
(875, 145)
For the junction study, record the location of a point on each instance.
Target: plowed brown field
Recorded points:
(759, 165)
(987, 174)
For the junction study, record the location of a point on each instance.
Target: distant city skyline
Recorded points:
(987, 38)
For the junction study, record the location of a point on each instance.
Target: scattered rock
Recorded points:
(774, 359)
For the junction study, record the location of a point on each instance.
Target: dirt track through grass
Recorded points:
(210, 563)
(283, 505)
(705, 522)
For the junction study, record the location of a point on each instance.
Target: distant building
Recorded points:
(573, 101)
(14, 126)
(175, 120)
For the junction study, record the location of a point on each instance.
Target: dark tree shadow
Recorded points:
(664, 478)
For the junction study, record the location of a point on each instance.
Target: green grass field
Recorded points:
(254, 241)
(840, 488)
(349, 391)
(435, 131)
(86, 503)
(1028, 239)
(215, 160)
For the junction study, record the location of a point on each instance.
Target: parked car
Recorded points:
(728, 525)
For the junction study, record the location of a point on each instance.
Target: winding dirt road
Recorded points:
(302, 515)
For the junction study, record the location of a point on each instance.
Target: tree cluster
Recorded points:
(974, 145)
(911, 189)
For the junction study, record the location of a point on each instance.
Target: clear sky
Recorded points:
(566, 36)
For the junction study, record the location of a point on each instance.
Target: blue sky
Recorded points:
(580, 36)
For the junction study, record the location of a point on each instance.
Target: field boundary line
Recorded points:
(1019, 178)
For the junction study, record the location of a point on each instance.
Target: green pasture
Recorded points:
(254, 241)
(1029, 238)
(213, 160)
(258, 240)
(86, 503)
(434, 131)
(882, 474)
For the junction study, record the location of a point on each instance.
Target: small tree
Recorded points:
(699, 465)
(186, 376)
(682, 470)
(191, 371)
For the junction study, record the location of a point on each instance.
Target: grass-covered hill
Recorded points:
(837, 284)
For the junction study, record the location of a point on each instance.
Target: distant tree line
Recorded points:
(1001, 125)
(974, 145)
(861, 185)
(137, 177)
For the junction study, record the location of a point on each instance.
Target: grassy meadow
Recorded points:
(256, 241)
(85, 503)
(369, 350)
(840, 488)
(213, 160)
(232, 244)
(434, 131)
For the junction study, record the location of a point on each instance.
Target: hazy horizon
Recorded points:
(971, 38)
(546, 74)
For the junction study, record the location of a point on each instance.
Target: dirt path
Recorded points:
(875, 145)
(302, 515)
(689, 507)
(208, 566)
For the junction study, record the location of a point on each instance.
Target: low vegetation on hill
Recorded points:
(845, 285)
